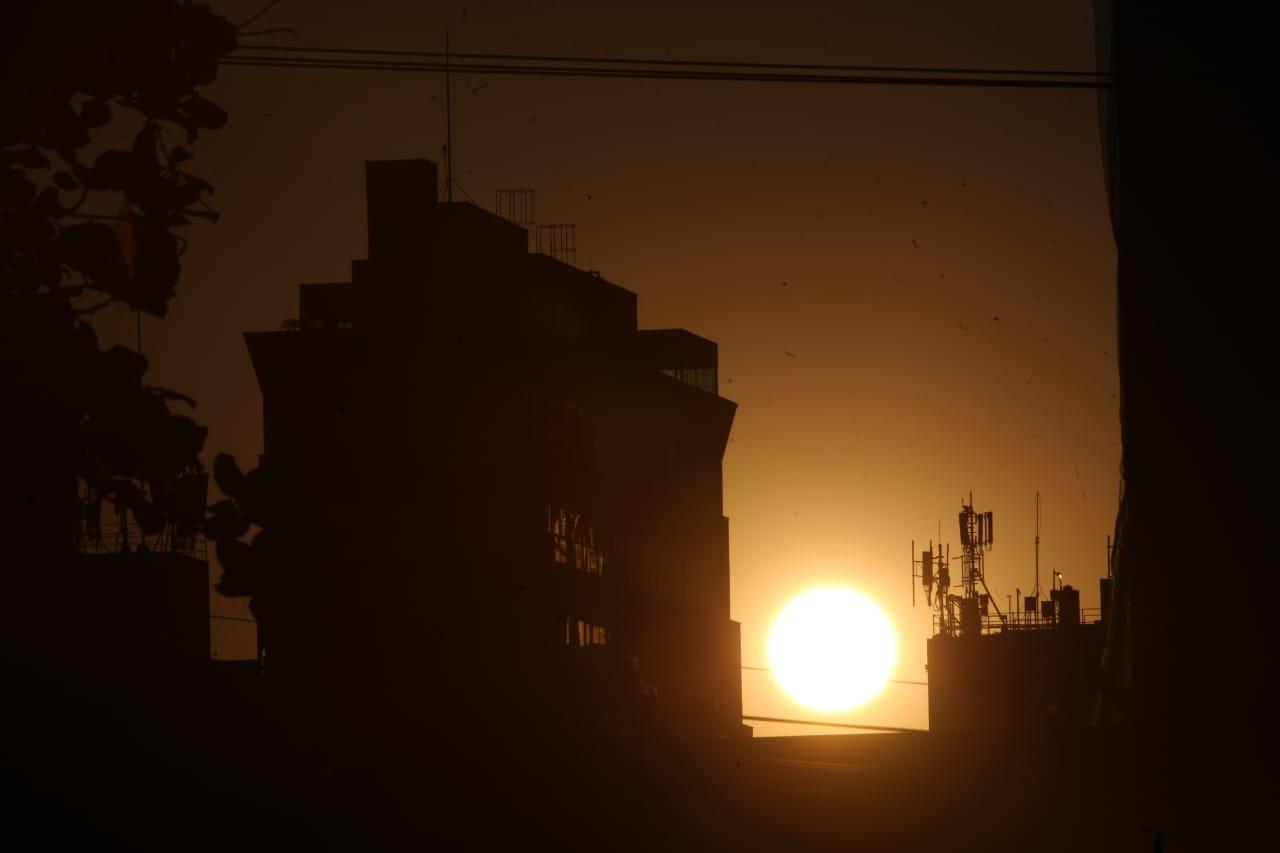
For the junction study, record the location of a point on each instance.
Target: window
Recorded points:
(573, 541)
(580, 632)
(702, 378)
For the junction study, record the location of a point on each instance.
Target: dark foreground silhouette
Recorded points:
(120, 738)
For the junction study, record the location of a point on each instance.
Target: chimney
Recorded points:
(399, 192)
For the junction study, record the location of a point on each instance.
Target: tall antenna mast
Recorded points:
(448, 125)
(1036, 590)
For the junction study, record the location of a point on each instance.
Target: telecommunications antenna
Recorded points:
(1036, 590)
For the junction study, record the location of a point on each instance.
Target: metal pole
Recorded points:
(1036, 591)
(448, 125)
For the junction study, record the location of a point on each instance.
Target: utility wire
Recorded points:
(829, 725)
(702, 63)
(762, 76)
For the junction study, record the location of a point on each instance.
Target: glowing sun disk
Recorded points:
(832, 649)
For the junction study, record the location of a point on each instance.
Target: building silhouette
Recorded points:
(1035, 669)
(1040, 675)
(142, 597)
(497, 499)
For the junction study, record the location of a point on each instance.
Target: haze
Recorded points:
(912, 288)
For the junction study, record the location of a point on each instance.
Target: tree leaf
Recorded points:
(227, 474)
(95, 113)
(31, 158)
(112, 170)
(204, 113)
(225, 521)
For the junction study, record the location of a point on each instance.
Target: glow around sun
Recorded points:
(832, 649)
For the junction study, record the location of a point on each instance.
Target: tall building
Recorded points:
(499, 498)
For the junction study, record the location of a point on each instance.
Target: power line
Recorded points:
(701, 63)
(829, 725)
(890, 680)
(509, 69)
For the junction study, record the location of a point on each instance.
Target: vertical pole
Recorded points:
(951, 622)
(448, 125)
(1036, 591)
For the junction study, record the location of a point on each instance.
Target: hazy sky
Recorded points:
(875, 233)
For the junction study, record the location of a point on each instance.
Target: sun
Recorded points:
(832, 649)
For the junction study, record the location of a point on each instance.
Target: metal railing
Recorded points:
(119, 538)
(1017, 621)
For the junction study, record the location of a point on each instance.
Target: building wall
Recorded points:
(420, 446)
(1015, 681)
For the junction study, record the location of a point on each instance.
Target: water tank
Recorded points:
(1069, 606)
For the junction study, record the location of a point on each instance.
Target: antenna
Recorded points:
(1035, 590)
(448, 125)
(932, 569)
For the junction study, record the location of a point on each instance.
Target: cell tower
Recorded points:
(932, 570)
(976, 531)
(970, 612)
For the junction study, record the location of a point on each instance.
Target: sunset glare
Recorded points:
(832, 649)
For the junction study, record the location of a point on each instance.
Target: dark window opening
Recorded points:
(702, 378)
(580, 632)
(573, 541)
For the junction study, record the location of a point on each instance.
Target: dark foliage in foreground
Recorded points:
(100, 102)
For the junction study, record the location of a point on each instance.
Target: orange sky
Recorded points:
(874, 233)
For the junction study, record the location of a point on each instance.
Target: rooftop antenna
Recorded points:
(1036, 589)
(448, 125)
(931, 569)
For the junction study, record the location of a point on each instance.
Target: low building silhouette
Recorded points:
(1042, 678)
(499, 499)
(1034, 669)
(129, 599)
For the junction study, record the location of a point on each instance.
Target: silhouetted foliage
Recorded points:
(84, 225)
(245, 564)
